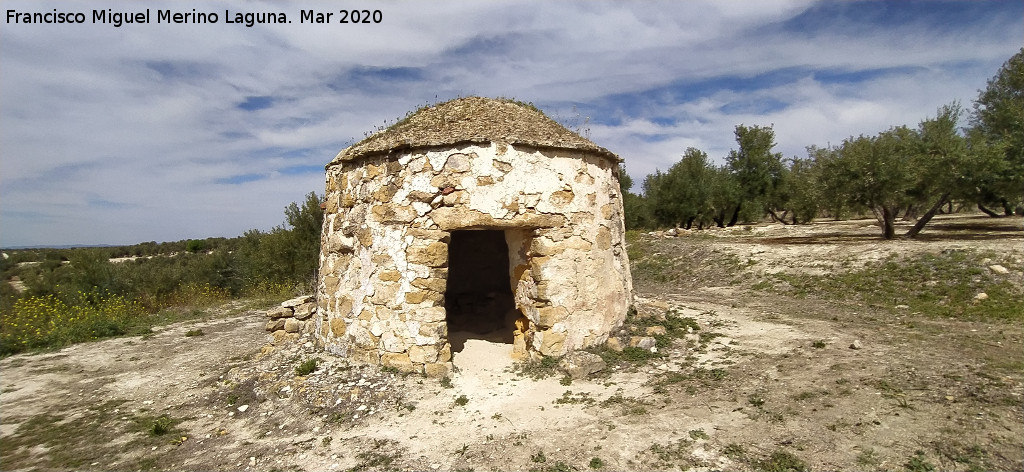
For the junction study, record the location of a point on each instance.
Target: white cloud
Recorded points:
(143, 120)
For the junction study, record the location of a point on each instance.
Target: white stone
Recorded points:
(998, 269)
(294, 302)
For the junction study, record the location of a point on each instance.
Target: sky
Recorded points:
(165, 131)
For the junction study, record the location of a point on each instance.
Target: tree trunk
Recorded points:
(988, 212)
(911, 213)
(1007, 209)
(780, 219)
(689, 222)
(927, 216)
(735, 216)
(888, 223)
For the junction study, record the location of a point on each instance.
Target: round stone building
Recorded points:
(474, 218)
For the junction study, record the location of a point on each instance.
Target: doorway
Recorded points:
(479, 302)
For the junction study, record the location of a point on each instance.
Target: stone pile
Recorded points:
(293, 316)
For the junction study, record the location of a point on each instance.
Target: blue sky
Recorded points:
(171, 131)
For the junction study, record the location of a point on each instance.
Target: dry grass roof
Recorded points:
(472, 120)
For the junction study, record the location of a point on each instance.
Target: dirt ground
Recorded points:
(771, 379)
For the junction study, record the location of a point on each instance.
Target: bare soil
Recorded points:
(769, 380)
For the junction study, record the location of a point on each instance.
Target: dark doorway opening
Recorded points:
(478, 299)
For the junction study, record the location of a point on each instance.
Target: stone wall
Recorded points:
(292, 317)
(386, 238)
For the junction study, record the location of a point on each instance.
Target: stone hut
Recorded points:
(472, 218)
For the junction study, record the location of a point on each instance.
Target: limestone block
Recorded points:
(580, 364)
(549, 315)
(421, 196)
(281, 336)
(384, 313)
(385, 193)
(365, 236)
(384, 294)
(423, 354)
(333, 202)
(292, 325)
(607, 210)
(502, 166)
(430, 315)
(643, 342)
(445, 354)
(389, 275)
(440, 369)
(274, 325)
(338, 243)
(454, 218)
(398, 361)
(361, 337)
(604, 238)
(305, 311)
(561, 198)
(436, 284)
(454, 198)
(432, 255)
(338, 327)
(280, 312)
(434, 330)
(442, 181)
(458, 162)
(415, 297)
(393, 214)
(430, 234)
(544, 246)
(484, 180)
(394, 167)
(392, 343)
(344, 305)
(331, 284)
(552, 343)
(584, 178)
(373, 171)
(366, 356)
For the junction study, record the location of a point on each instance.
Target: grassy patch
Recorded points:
(537, 369)
(570, 398)
(943, 284)
(377, 458)
(100, 434)
(918, 463)
(782, 461)
(673, 455)
(627, 405)
(307, 367)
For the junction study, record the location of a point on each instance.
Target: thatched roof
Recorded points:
(472, 120)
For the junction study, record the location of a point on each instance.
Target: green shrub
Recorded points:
(307, 367)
